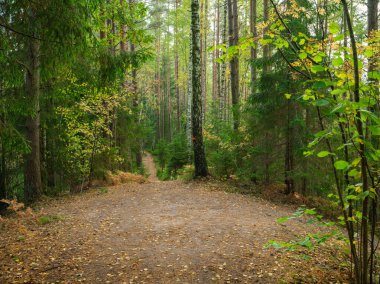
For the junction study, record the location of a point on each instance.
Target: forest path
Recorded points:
(150, 167)
(157, 232)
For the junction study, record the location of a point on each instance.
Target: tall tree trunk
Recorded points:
(214, 55)
(217, 51)
(50, 146)
(3, 171)
(135, 99)
(32, 166)
(204, 65)
(176, 69)
(234, 63)
(289, 155)
(372, 26)
(253, 21)
(199, 153)
(266, 48)
(161, 114)
(122, 31)
(223, 88)
(168, 86)
(103, 28)
(203, 43)
(189, 102)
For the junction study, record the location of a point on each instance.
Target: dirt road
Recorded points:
(157, 232)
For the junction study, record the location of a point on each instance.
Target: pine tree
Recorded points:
(199, 153)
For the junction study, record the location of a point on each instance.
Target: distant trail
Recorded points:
(151, 168)
(158, 232)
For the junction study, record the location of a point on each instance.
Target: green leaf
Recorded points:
(288, 96)
(322, 102)
(339, 37)
(282, 219)
(341, 165)
(338, 61)
(319, 85)
(356, 162)
(351, 197)
(374, 75)
(323, 154)
(317, 68)
(375, 130)
(302, 55)
(338, 91)
(310, 212)
(354, 173)
(339, 108)
(368, 53)
(317, 58)
(370, 114)
(334, 28)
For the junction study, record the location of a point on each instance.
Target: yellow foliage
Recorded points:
(123, 177)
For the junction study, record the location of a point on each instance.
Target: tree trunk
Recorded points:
(217, 51)
(176, 70)
(253, 21)
(266, 50)
(234, 63)
(214, 55)
(289, 156)
(135, 105)
(199, 154)
(362, 150)
(122, 32)
(3, 171)
(223, 89)
(32, 166)
(372, 26)
(169, 135)
(189, 103)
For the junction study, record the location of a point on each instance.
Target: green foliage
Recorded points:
(178, 153)
(171, 157)
(102, 190)
(87, 109)
(310, 241)
(47, 219)
(161, 152)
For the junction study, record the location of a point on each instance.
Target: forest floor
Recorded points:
(161, 232)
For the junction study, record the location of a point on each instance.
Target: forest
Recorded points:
(250, 128)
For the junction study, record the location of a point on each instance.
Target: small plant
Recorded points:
(43, 220)
(21, 238)
(310, 241)
(186, 173)
(102, 190)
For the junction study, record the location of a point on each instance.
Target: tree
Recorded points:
(233, 33)
(32, 179)
(253, 30)
(196, 115)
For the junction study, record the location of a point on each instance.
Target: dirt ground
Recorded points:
(161, 232)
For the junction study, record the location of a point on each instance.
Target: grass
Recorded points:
(43, 220)
(102, 190)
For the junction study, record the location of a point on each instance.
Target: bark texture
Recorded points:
(199, 153)
(32, 166)
(233, 31)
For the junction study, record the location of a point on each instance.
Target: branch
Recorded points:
(18, 32)
(291, 66)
